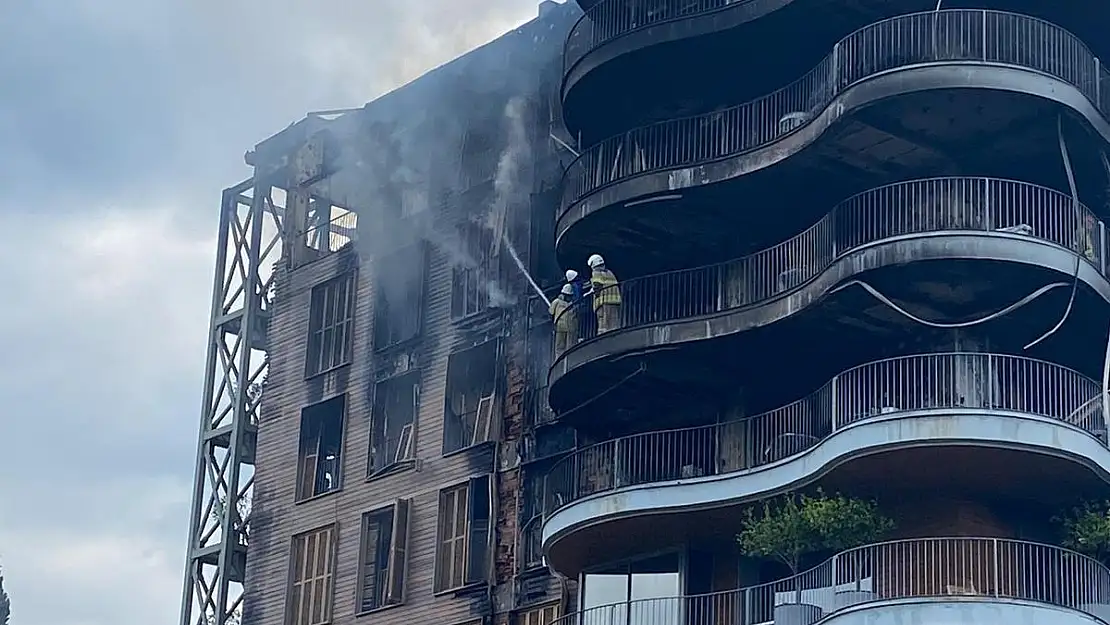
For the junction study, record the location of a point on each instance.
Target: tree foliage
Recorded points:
(794, 525)
(5, 603)
(1087, 529)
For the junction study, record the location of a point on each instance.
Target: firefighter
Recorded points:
(565, 319)
(607, 295)
(576, 284)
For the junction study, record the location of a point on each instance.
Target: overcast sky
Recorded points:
(120, 122)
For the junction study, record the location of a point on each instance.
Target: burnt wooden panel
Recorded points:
(276, 518)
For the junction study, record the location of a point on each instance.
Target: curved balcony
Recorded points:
(870, 65)
(886, 388)
(769, 285)
(608, 20)
(1018, 579)
(1049, 415)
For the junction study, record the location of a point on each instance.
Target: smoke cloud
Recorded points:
(431, 145)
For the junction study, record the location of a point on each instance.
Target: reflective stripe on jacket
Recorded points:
(561, 313)
(606, 289)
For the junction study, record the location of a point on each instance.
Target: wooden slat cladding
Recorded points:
(276, 518)
(287, 392)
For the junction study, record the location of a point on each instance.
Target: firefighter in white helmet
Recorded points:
(607, 295)
(576, 284)
(565, 318)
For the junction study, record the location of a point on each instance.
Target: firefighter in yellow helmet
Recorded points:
(607, 295)
(565, 317)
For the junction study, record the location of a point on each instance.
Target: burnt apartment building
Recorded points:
(851, 370)
(376, 349)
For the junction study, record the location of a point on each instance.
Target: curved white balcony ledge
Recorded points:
(979, 427)
(967, 611)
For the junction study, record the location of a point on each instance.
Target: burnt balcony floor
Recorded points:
(801, 351)
(673, 68)
(969, 132)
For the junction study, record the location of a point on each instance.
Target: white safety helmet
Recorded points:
(572, 275)
(595, 261)
(567, 290)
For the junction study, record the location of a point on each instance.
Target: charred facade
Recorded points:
(849, 250)
(366, 445)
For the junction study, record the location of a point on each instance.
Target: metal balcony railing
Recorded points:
(990, 568)
(609, 19)
(882, 389)
(900, 209)
(954, 35)
(323, 238)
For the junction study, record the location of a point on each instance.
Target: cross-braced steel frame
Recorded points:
(249, 243)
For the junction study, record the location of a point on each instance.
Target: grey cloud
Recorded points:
(135, 97)
(119, 124)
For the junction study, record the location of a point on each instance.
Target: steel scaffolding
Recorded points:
(250, 241)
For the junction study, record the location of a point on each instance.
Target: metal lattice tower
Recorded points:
(249, 243)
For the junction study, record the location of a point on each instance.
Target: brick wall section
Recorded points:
(508, 479)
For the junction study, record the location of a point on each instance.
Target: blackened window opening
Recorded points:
(473, 272)
(320, 446)
(399, 295)
(532, 512)
(392, 421)
(471, 410)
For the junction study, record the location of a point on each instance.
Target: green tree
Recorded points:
(1087, 529)
(5, 603)
(791, 526)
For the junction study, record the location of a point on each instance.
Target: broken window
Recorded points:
(532, 512)
(392, 421)
(472, 275)
(471, 397)
(383, 556)
(330, 324)
(312, 563)
(399, 295)
(328, 228)
(321, 442)
(481, 153)
(540, 615)
(464, 535)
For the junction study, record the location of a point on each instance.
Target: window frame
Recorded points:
(677, 550)
(419, 252)
(484, 420)
(316, 343)
(294, 607)
(407, 435)
(473, 530)
(475, 241)
(534, 615)
(397, 547)
(299, 491)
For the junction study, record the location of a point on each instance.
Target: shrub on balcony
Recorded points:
(1087, 530)
(791, 526)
